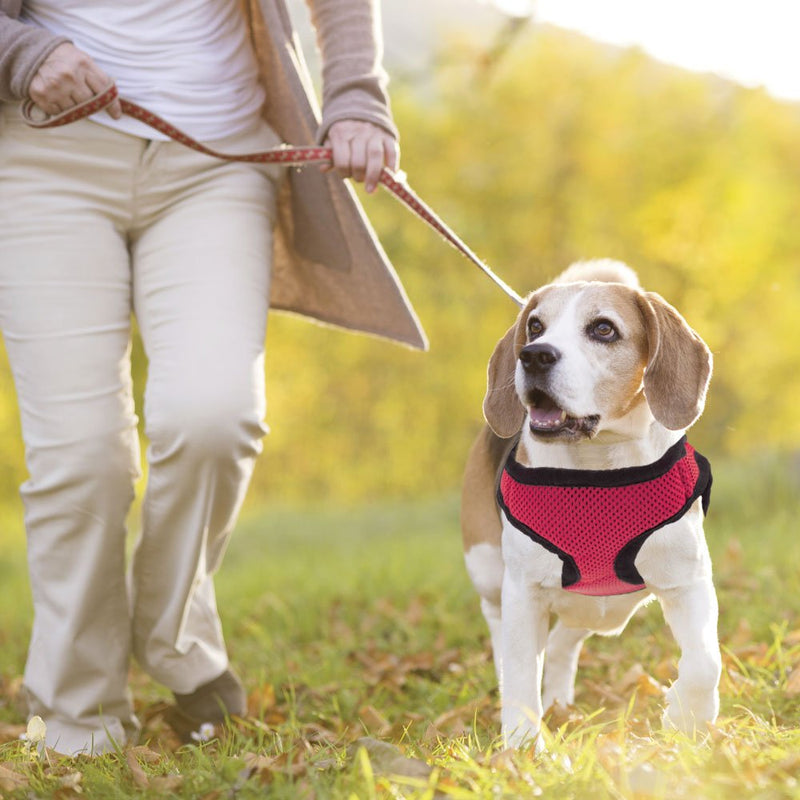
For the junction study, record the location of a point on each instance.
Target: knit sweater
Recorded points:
(327, 261)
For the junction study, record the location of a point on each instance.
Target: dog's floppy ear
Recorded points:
(678, 366)
(501, 406)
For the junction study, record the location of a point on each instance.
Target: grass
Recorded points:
(362, 645)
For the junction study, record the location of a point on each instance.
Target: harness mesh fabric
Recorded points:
(597, 520)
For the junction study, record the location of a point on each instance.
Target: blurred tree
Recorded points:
(568, 149)
(572, 150)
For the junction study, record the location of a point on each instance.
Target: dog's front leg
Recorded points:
(561, 664)
(692, 615)
(524, 634)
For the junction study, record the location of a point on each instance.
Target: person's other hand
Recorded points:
(68, 76)
(361, 150)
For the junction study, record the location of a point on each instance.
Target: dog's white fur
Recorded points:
(642, 392)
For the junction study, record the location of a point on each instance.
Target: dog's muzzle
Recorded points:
(545, 416)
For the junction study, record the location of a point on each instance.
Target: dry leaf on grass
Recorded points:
(504, 761)
(166, 784)
(557, 716)
(636, 678)
(389, 760)
(292, 763)
(11, 779)
(432, 735)
(792, 638)
(262, 703)
(135, 755)
(374, 722)
(793, 683)
(10, 733)
(605, 694)
(215, 794)
(459, 720)
(137, 773)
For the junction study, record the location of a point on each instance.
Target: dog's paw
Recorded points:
(690, 714)
(523, 737)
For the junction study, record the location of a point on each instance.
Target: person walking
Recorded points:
(104, 219)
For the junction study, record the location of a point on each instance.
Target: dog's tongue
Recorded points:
(546, 414)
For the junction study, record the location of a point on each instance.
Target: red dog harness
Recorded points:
(596, 521)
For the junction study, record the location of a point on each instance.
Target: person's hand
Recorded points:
(361, 150)
(68, 76)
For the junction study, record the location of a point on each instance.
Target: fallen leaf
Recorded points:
(164, 784)
(10, 733)
(261, 699)
(146, 754)
(137, 773)
(665, 671)
(67, 793)
(793, 683)
(504, 761)
(458, 720)
(388, 759)
(291, 763)
(432, 735)
(258, 765)
(374, 721)
(792, 637)
(606, 693)
(11, 780)
(557, 716)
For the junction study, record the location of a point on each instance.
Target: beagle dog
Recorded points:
(582, 497)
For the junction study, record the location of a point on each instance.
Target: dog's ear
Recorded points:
(678, 365)
(501, 406)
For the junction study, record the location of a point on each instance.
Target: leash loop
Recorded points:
(287, 155)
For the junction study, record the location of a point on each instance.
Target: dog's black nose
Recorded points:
(538, 357)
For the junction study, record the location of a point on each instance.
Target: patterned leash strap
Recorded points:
(286, 155)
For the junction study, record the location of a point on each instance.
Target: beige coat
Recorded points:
(328, 263)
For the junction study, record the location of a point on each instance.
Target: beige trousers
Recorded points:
(96, 225)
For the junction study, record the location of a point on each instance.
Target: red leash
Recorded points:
(286, 155)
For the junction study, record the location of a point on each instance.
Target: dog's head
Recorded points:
(588, 349)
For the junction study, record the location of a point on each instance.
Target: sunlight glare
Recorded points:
(515, 8)
(751, 43)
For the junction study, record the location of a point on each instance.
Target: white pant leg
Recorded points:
(201, 286)
(65, 315)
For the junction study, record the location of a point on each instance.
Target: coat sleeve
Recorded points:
(351, 47)
(23, 48)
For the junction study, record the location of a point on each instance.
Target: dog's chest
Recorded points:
(531, 565)
(593, 523)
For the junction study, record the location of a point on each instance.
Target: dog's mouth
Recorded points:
(547, 418)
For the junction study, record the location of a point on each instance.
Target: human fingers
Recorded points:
(68, 76)
(376, 160)
(98, 82)
(361, 150)
(338, 140)
(391, 151)
(382, 151)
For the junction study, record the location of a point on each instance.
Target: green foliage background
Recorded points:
(563, 150)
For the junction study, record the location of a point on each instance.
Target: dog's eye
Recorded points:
(603, 330)
(535, 327)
